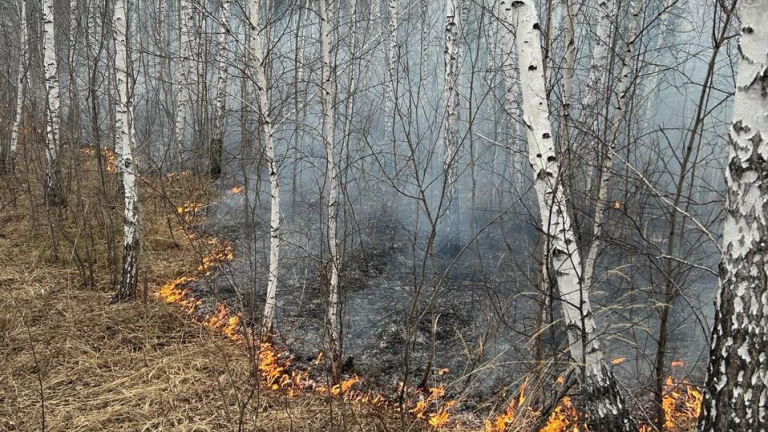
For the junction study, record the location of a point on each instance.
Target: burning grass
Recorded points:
(70, 362)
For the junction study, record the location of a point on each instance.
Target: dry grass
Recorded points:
(69, 361)
(88, 366)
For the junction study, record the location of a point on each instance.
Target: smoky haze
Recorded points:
(440, 235)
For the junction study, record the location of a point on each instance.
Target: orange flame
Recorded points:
(681, 404)
(108, 154)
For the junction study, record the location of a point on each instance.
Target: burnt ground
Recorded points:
(381, 287)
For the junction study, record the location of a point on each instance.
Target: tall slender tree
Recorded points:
(216, 151)
(451, 105)
(608, 148)
(124, 145)
(389, 81)
(10, 159)
(606, 409)
(328, 87)
(596, 81)
(184, 68)
(54, 192)
(737, 377)
(258, 65)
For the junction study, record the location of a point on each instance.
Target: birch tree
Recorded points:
(217, 140)
(333, 323)
(23, 61)
(737, 377)
(451, 104)
(389, 83)
(349, 104)
(54, 194)
(604, 404)
(609, 148)
(183, 111)
(569, 69)
(597, 74)
(124, 143)
(258, 65)
(511, 79)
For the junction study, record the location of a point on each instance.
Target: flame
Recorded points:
(108, 154)
(432, 407)
(618, 361)
(565, 418)
(236, 190)
(189, 211)
(681, 403)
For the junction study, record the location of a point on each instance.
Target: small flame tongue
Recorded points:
(681, 404)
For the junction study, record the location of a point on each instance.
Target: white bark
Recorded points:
(186, 23)
(569, 68)
(604, 176)
(598, 69)
(23, 59)
(451, 104)
(258, 66)
(299, 114)
(737, 379)
(217, 140)
(389, 83)
(124, 144)
(606, 409)
(600, 54)
(329, 113)
(53, 190)
(511, 89)
(352, 82)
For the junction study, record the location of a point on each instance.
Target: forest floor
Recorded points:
(71, 361)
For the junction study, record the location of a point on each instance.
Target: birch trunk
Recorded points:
(595, 87)
(349, 105)
(389, 83)
(604, 175)
(451, 103)
(737, 378)
(124, 143)
(74, 106)
(54, 194)
(298, 111)
(511, 88)
(186, 22)
(217, 140)
(23, 59)
(569, 69)
(329, 113)
(258, 66)
(604, 404)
